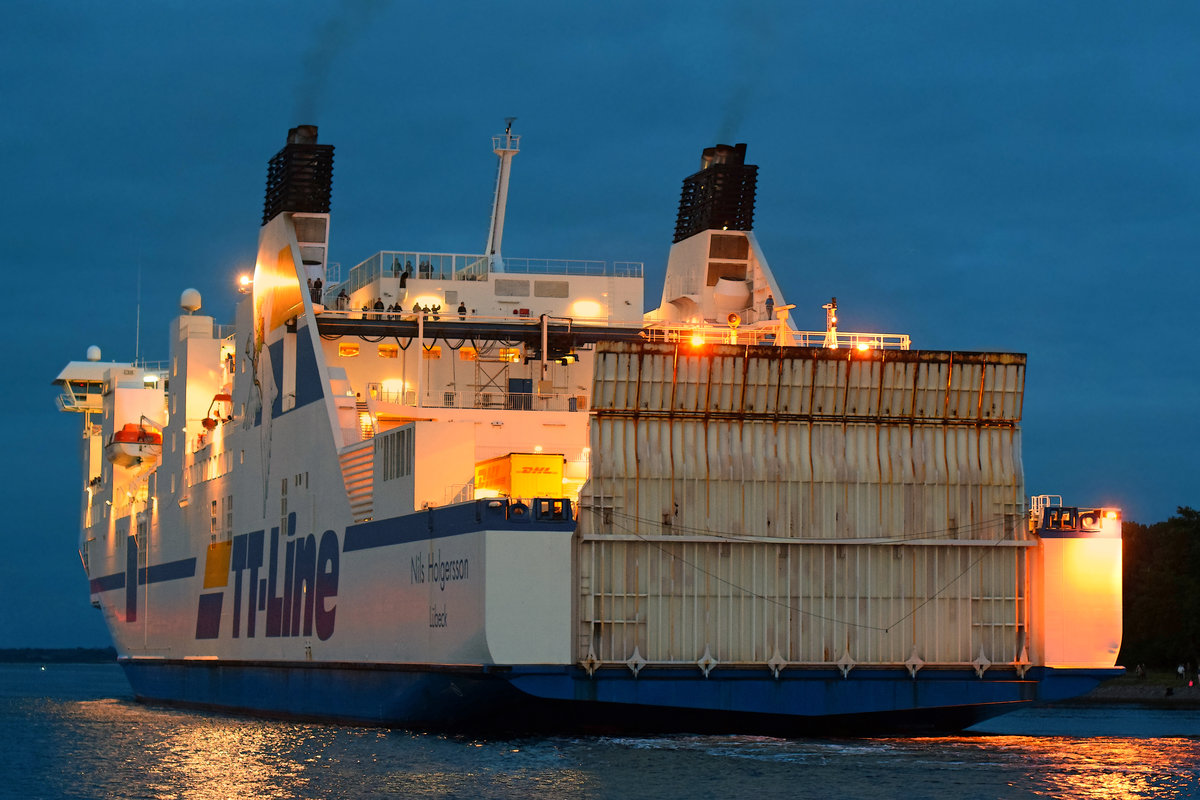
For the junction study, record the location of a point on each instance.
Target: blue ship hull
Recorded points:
(525, 699)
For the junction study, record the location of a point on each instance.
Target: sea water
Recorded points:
(74, 731)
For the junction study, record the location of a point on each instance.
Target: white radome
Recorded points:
(190, 300)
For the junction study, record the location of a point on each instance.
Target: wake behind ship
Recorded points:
(468, 491)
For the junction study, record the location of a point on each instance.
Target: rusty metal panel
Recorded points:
(898, 380)
(963, 393)
(725, 384)
(655, 376)
(829, 386)
(808, 603)
(932, 379)
(603, 384)
(733, 456)
(864, 374)
(691, 384)
(761, 384)
(795, 386)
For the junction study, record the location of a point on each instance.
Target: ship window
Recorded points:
(388, 351)
(510, 354)
(348, 349)
(507, 287)
(432, 353)
(551, 289)
(467, 354)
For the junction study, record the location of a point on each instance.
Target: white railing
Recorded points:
(1040, 502)
(470, 398)
(462, 267)
(668, 332)
(561, 266)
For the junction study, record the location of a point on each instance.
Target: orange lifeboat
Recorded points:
(214, 414)
(134, 445)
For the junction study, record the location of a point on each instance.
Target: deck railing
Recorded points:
(667, 332)
(471, 398)
(462, 267)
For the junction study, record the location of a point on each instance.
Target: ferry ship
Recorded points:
(472, 491)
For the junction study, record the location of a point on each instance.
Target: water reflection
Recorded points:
(162, 753)
(223, 758)
(71, 747)
(1089, 769)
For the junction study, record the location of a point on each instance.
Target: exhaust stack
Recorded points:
(300, 176)
(720, 196)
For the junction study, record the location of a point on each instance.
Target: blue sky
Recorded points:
(1018, 176)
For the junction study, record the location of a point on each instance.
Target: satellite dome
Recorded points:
(93, 353)
(190, 300)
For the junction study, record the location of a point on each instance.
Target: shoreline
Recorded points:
(1134, 691)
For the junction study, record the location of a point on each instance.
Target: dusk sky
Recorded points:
(1014, 176)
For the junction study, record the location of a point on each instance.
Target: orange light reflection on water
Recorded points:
(223, 758)
(1094, 768)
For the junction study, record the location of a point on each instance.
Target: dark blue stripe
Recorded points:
(439, 523)
(276, 351)
(108, 582)
(397, 530)
(170, 571)
(309, 386)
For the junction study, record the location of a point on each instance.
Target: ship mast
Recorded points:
(505, 147)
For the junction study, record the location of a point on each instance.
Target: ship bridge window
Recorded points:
(388, 351)
(348, 349)
(468, 354)
(432, 353)
(81, 389)
(510, 354)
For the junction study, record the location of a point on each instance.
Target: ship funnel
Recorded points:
(720, 196)
(300, 176)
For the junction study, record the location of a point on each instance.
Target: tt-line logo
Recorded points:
(296, 603)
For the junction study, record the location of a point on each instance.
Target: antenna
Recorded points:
(505, 147)
(137, 331)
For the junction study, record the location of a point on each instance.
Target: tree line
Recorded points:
(1161, 572)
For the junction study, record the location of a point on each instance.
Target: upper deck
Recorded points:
(466, 267)
(465, 285)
